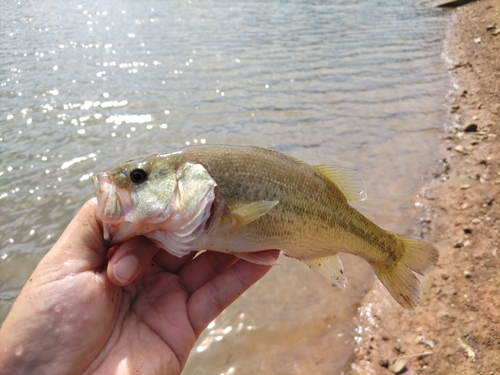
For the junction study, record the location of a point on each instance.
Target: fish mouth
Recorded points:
(109, 208)
(108, 202)
(113, 204)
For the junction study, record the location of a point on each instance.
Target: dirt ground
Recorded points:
(456, 328)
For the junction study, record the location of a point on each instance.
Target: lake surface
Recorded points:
(85, 85)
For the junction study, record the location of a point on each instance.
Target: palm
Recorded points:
(152, 331)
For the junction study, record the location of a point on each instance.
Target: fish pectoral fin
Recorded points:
(249, 212)
(259, 257)
(329, 266)
(347, 180)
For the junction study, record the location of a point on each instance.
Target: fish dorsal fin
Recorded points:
(330, 267)
(347, 180)
(249, 212)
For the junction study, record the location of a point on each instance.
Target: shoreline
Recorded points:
(456, 328)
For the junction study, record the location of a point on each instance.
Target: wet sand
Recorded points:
(456, 330)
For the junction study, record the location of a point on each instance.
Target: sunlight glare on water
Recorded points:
(86, 85)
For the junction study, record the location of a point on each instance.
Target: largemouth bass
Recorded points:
(243, 200)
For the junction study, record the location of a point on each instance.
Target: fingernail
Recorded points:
(125, 268)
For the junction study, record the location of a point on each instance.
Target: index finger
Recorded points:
(172, 263)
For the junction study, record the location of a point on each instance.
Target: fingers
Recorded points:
(208, 301)
(205, 267)
(130, 260)
(172, 263)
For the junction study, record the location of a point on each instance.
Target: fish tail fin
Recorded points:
(414, 256)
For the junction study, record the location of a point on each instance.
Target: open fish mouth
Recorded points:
(109, 205)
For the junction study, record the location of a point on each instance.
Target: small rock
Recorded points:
(488, 201)
(476, 221)
(464, 206)
(397, 366)
(477, 40)
(445, 276)
(475, 176)
(460, 148)
(470, 127)
(464, 186)
(455, 108)
(497, 181)
(467, 230)
(467, 274)
(496, 32)
(491, 27)
(468, 349)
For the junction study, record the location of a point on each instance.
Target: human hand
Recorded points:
(141, 312)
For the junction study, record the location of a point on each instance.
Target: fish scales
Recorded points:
(246, 199)
(308, 200)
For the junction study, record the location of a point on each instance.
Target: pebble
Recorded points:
(460, 148)
(475, 221)
(470, 127)
(397, 365)
(464, 186)
(467, 274)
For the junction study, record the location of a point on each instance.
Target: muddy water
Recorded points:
(86, 84)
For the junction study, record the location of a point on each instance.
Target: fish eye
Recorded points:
(138, 175)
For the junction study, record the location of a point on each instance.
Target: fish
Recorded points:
(244, 199)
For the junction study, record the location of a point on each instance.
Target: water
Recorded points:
(87, 84)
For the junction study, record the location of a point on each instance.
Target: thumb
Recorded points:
(81, 247)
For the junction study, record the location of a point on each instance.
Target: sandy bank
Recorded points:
(456, 330)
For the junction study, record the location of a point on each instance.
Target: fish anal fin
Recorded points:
(329, 266)
(259, 257)
(347, 180)
(249, 212)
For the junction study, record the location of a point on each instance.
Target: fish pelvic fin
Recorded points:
(259, 257)
(349, 181)
(329, 266)
(417, 256)
(249, 212)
